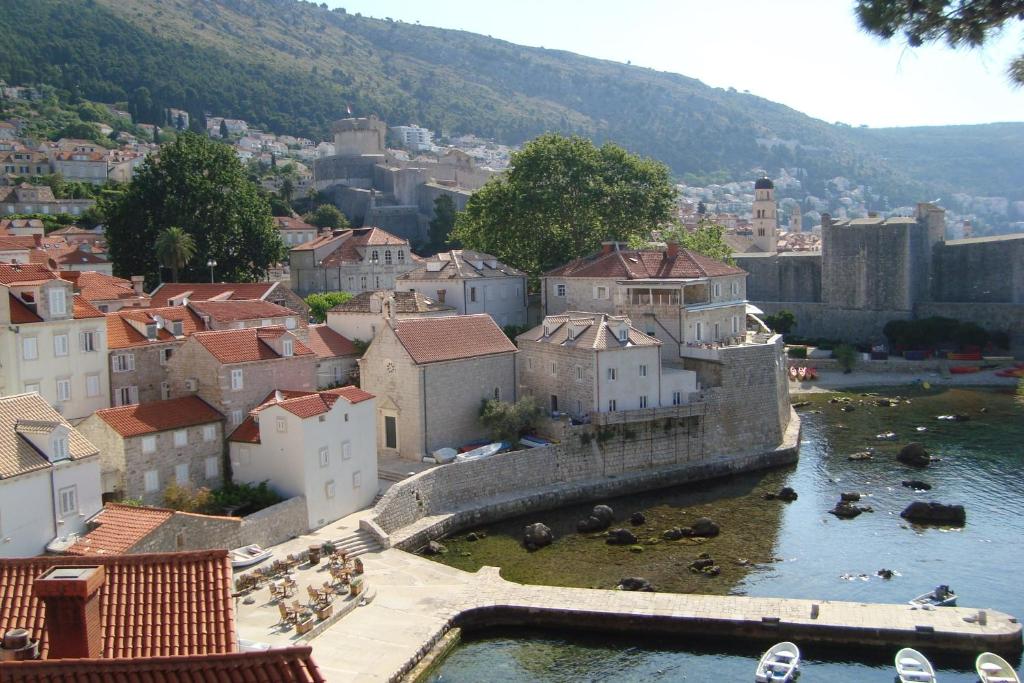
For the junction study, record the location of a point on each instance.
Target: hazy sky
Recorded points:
(808, 54)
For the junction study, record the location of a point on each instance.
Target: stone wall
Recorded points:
(267, 527)
(983, 270)
(789, 276)
(748, 425)
(148, 375)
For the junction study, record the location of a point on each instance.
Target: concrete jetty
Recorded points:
(419, 601)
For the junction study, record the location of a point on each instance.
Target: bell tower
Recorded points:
(765, 221)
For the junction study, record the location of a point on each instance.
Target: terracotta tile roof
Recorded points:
(78, 257)
(351, 241)
(245, 345)
(246, 432)
(16, 243)
(11, 274)
(460, 264)
(20, 313)
(151, 605)
(289, 223)
(84, 309)
(644, 264)
(405, 302)
(99, 286)
(17, 455)
(119, 527)
(277, 665)
(205, 291)
(234, 310)
(326, 343)
(429, 340)
(121, 334)
(159, 416)
(303, 404)
(592, 331)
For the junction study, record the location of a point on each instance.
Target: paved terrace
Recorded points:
(418, 601)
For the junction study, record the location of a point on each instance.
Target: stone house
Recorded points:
(180, 293)
(359, 260)
(81, 165)
(336, 356)
(692, 303)
(52, 342)
(311, 444)
(238, 314)
(146, 447)
(27, 198)
(142, 342)
(579, 363)
(364, 314)
(430, 376)
(24, 162)
(233, 370)
(471, 282)
(49, 476)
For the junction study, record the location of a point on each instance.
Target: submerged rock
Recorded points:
(635, 583)
(787, 494)
(536, 535)
(915, 455)
(917, 485)
(621, 537)
(862, 455)
(849, 496)
(935, 513)
(885, 573)
(847, 510)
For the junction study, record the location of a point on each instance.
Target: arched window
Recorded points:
(387, 257)
(374, 256)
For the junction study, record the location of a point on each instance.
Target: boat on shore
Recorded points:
(913, 667)
(779, 664)
(942, 596)
(249, 555)
(992, 668)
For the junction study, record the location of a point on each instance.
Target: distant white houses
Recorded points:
(312, 444)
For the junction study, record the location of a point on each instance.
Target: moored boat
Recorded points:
(913, 667)
(992, 668)
(248, 555)
(942, 596)
(779, 664)
(964, 369)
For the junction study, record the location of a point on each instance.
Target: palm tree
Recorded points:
(175, 248)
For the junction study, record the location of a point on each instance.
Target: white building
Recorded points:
(579, 363)
(414, 137)
(471, 282)
(51, 342)
(49, 477)
(313, 444)
(362, 316)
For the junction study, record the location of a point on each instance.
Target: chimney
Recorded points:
(137, 281)
(37, 239)
(18, 646)
(607, 247)
(672, 251)
(72, 599)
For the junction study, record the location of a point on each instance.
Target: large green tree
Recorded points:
(199, 185)
(326, 216)
(442, 224)
(560, 198)
(175, 248)
(967, 23)
(708, 239)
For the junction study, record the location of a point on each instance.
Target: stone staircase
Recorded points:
(390, 475)
(358, 543)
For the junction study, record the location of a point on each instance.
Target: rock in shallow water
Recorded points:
(917, 485)
(915, 455)
(935, 513)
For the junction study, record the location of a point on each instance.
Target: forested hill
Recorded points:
(294, 66)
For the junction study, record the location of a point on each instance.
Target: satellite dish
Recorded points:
(184, 301)
(159, 322)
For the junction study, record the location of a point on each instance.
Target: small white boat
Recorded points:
(780, 664)
(482, 452)
(913, 667)
(248, 556)
(992, 668)
(942, 596)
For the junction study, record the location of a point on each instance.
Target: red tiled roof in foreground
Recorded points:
(644, 264)
(84, 309)
(429, 340)
(119, 527)
(151, 605)
(281, 665)
(159, 416)
(208, 291)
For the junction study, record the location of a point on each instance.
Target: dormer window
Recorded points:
(177, 328)
(151, 331)
(286, 347)
(572, 334)
(60, 448)
(623, 334)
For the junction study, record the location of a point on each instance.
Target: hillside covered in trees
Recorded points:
(294, 67)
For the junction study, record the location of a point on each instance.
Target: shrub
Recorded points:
(321, 302)
(846, 355)
(243, 498)
(782, 322)
(181, 498)
(797, 351)
(508, 421)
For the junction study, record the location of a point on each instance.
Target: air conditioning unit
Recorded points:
(192, 384)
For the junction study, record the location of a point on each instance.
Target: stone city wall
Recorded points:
(621, 453)
(782, 277)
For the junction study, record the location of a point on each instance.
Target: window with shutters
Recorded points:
(127, 396)
(209, 433)
(346, 450)
(68, 500)
(357, 479)
(60, 344)
(612, 406)
(181, 437)
(149, 444)
(58, 301)
(286, 347)
(611, 374)
(64, 389)
(151, 481)
(282, 425)
(325, 456)
(643, 370)
(88, 341)
(560, 290)
(124, 362)
(92, 386)
(643, 401)
(29, 348)
(329, 489)
(237, 382)
(677, 398)
(181, 473)
(212, 467)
